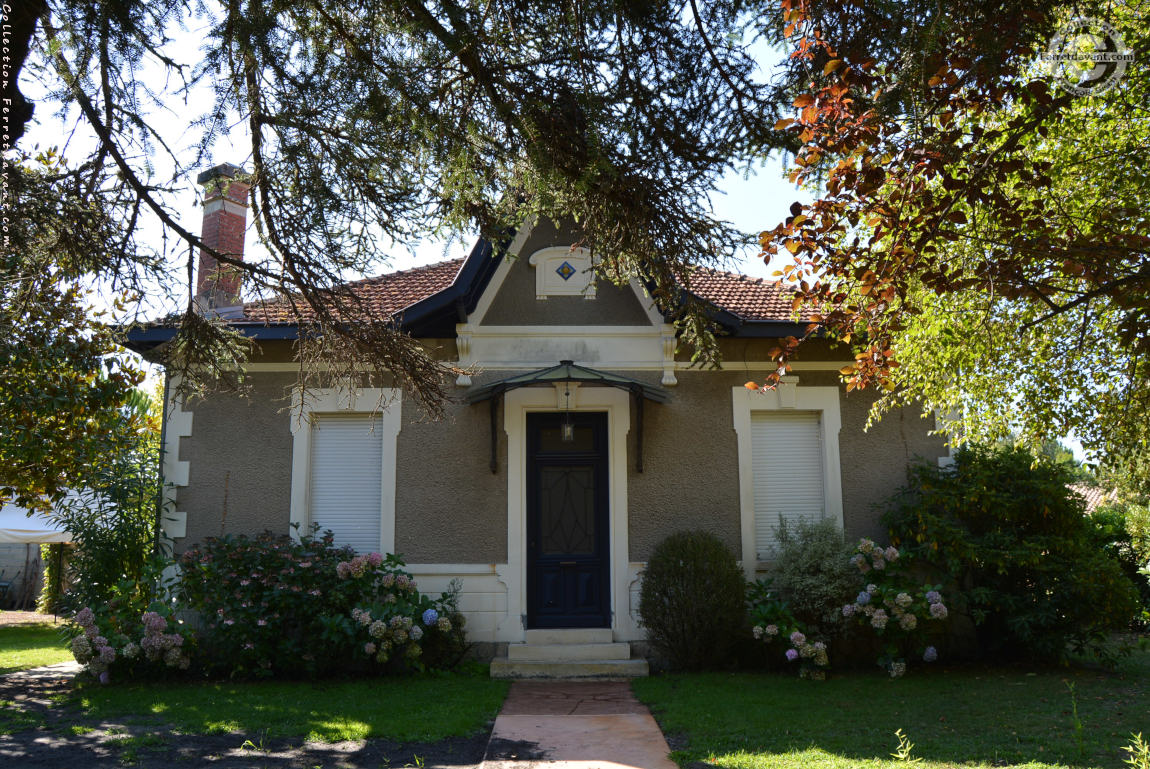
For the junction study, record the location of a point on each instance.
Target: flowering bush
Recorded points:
(277, 606)
(118, 637)
(775, 624)
(894, 608)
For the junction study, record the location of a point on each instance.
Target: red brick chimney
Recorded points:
(225, 221)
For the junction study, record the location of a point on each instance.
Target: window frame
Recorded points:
(386, 403)
(788, 396)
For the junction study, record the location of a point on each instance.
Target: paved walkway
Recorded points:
(62, 671)
(575, 725)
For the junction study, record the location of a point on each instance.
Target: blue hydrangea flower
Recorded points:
(930, 655)
(863, 598)
(430, 617)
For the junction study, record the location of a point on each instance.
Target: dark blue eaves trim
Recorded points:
(437, 314)
(148, 338)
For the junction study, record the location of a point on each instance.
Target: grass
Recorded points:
(14, 718)
(407, 709)
(31, 646)
(953, 716)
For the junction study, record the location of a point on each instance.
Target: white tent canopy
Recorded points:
(16, 526)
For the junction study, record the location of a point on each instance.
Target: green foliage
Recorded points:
(1139, 752)
(691, 600)
(896, 606)
(1009, 533)
(813, 573)
(113, 518)
(134, 631)
(481, 118)
(1122, 531)
(61, 390)
(789, 639)
(54, 557)
(279, 606)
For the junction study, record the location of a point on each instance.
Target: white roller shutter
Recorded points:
(787, 465)
(345, 493)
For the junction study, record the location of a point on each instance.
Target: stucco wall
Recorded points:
(239, 454)
(690, 459)
(449, 507)
(515, 303)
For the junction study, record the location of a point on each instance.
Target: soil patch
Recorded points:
(28, 618)
(46, 732)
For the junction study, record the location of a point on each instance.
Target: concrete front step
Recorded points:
(566, 652)
(588, 635)
(502, 667)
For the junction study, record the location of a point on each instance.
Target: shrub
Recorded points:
(1123, 533)
(775, 625)
(901, 611)
(691, 601)
(112, 516)
(135, 633)
(813, 574)
(1005, 527)
(276, 606)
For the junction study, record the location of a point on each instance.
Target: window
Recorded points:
(563, 271)
(343, 465)
(787, 471)
(345, 491)
(788, 442)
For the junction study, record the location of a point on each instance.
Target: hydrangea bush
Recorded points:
(905, 615)
(774, 624)
(118, 639)
(280, 606)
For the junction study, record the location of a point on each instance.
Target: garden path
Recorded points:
(575, 725)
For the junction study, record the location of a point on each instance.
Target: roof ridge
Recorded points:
(743, 277)
(417, 268)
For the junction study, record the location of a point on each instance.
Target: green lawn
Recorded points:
(954, 716)
(30, 646)
(406, 709)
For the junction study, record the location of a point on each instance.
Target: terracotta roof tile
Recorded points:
(748, 298)
(386, 294)
(1095, 496)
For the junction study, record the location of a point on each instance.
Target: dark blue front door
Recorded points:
(567, 522)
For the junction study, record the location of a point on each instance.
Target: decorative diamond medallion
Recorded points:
(565, 270)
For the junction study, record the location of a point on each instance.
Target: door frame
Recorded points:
(601, 512)
(517, 404)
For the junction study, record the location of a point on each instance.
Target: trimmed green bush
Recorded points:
(813, 573)
(1015, 541)
(691, 601)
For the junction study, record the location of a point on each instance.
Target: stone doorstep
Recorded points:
(594, 635)
(568, 652)
(501, 667)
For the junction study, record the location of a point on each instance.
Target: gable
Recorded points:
(532, 293)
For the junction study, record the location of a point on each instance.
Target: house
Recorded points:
(581, 440)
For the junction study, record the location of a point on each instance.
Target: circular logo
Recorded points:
(1087, 56)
